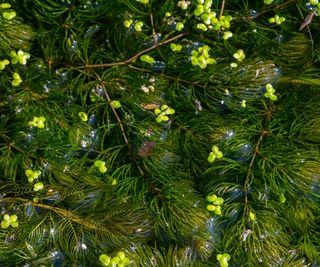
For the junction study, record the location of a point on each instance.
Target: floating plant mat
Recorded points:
(159, 133)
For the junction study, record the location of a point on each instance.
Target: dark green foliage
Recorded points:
(151, 200)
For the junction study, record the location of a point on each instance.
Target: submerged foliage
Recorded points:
(159, 133)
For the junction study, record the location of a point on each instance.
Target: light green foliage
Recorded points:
(16, 79)
(138, 26)
(179, 26)
(83, 116)
(276, 19)
(239, 55)
(5, 5)
(201, 57)
(147, 58)
(215, 154)
(3, 64)
(19, 57)
(38, 186)
(9, 221)
(101, 165)
(37, 122)
(32, 175)
(119, 260)
(270, 92)
(175, 47)
(143, 1)
(9, 15)
(163, 112)
(121, 170)
(127, 23)
(268, 2)
(115, 104)
(223, 259)
(215, 205)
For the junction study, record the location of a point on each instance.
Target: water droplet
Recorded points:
(158, 66)
(92, 30)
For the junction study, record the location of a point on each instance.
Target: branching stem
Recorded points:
(272, 8)
(255, 153)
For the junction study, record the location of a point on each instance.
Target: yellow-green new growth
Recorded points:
(215, 153)
(9, 221)
(4, 63)
(37, 122)
(101, 165)
(223, 259)
(120, 260)
(270, 92)
(16, 79)
(201, 57)
(239, 55)
(163, 113)
(32, 175)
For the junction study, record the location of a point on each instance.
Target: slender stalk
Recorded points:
(272, 8)
(133, 58)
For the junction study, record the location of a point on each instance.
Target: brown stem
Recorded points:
(272, 9)
(178, 79)
(255, 153)
(222, 8)
(133, 58)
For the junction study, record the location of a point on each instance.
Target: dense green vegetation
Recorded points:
(159, 133)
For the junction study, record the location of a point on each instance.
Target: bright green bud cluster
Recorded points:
(270, 92)
(20, 57)
(115, 104)
(183, 4)
(9, 221)
(120, 260)
(38, 186)
(147, 58)
(243, 103)
(209, 19)
(314, 2)
(138, 26)
(223, 259)
(252, 216)
(176, 47)
(167, 14)
(215, 154)
(5, 5)
(4, 63)
(143, 1)
(268, 2)
(276, 19)
(227, 35)
(32, 175)
(163, 113)
(101, 165)
(127, 23)
(201, 57)
(239, 55)
(179, 26)
(282, 198)
(16, 79)
(9, 15)
(83, 116)
(37, 122)
(215, 205)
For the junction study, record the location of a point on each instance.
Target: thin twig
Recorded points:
(222, 8)
(150, 184)
(133, 58)
(113, 109)
(255, 153)
(272, 9)
(178, 79)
